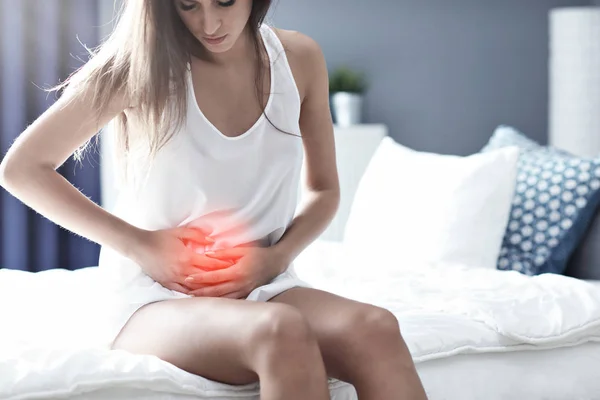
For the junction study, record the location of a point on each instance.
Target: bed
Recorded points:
(461, 352)
(474, 332)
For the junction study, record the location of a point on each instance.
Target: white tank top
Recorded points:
(239, 189)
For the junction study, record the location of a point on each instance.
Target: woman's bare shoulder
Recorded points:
(304, 55)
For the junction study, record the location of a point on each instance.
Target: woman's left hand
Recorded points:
(252, 267)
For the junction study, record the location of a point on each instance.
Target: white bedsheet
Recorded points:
(443, 311)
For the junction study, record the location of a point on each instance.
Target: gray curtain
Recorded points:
(41, 44)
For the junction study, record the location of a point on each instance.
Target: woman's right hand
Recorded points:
(165, 256)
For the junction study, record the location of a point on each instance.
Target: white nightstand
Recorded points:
(354, 148)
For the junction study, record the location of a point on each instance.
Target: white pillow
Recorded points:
(413, 208)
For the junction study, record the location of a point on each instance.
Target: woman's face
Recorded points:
(217, 24)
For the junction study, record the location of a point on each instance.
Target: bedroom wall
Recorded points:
(443, 73)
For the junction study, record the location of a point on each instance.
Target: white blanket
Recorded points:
(443, 310)
(449, 309)
(47, 348)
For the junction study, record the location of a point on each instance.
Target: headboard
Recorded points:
(354, 147)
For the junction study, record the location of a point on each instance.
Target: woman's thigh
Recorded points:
(204, 336)
(345, 329)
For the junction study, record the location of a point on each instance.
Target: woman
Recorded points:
(213, 111)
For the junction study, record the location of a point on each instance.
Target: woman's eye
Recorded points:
(226, 3)
(187, 7)
(191, 6)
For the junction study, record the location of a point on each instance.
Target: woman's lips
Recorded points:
(215, 40)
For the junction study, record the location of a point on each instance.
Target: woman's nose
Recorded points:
(211, 22)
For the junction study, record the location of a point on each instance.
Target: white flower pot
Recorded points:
(347, 108)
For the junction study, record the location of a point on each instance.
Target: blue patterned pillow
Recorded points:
(555, 199)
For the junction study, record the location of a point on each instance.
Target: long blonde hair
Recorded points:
(146, 58)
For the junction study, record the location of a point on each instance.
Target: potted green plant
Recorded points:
(347, 87)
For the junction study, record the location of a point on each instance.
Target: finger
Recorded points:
(177, 287)
(231, 253)
(216, 290)
(191, 286)
(188, 287)
(208, 263)
(211, 277)
(186, 269)
(194, 234)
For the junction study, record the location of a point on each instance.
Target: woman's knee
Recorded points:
(369, 328)
(280, 329)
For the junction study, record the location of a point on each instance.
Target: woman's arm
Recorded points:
(310, 70)
(28, 171)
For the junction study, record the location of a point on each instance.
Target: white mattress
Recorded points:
(568, 373)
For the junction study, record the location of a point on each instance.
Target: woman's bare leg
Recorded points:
(360, 343)
(232, 341)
